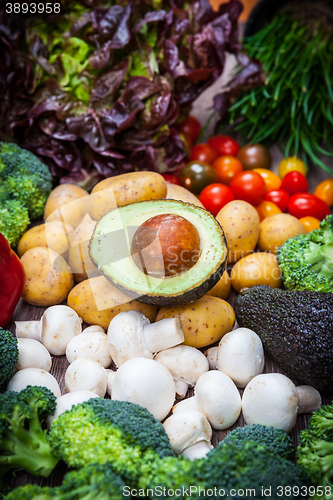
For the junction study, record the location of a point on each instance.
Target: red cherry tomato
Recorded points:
(294, 182)
(305, 204)
(172, 179)
(203, 152)
(190, 127)
(215, 196)
(224, 144)
(278, 196)
(248, 186)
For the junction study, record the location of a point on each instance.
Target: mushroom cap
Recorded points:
(86, 374)
(218, 399)
(184, 362)
(60, 324)
(33, 354)
(270, 399)
(186, 428)
(147, 383)
(125, 337)
(241, 356)
(33, 376)
(91, 344)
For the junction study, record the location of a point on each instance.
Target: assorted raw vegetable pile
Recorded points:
(292, 101)
(97, 91)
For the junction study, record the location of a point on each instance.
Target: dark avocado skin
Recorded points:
(296, 329)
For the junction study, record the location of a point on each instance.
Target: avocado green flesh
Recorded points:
(110, 251)
(296, 329)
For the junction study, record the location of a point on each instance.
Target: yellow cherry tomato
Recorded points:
(272, 181)
(290, 164)
(309, 223)
(267, 208)
(324, 191)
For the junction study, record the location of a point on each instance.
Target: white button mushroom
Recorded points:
(190, 403)
(32, 354)
(90, 344)
(218, 399)
(241, 356)
(130, 335)
(66, 401)
(147, 383)
(270, 399)
(86, 374)
(189, 433)
(185, 364)
(58, 325)
(33, 376)
(211, 355)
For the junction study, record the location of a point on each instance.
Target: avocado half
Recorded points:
(110, 246)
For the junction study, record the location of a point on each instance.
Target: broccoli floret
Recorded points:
(250, 467)
(93, 482)
(14, 220)
(306, 261)
(277, 439)
(315, 450)
(102, 430)
(23, 441)
(8, 357)
(31, 492)
(24, 178)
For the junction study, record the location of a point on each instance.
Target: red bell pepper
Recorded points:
(12, 281)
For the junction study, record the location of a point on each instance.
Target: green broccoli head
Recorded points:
(102, 430)
(8, 357)
(23, 441)
(31, 492)
(275, 438)
(24, 178)
(14, 220)
(92, 482)
(248, 466)
(315, 449)
(306, 261)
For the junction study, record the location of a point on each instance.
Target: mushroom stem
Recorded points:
(163, 334)
(28, 329)
(197, 450)
(211, 355)
(181, 388)
(309, 399)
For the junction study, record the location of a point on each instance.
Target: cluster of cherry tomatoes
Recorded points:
(220, 171)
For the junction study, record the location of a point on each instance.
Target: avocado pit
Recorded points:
(165, 245)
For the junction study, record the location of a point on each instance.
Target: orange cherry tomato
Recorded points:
(272, 181)
(226, 168)
(324, 191)
(310, 223)
(267, 208)
(290, 164)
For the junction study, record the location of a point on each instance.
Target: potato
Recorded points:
(97, 301)
(48, 277)
(123, 189)
(67, 202)
(276, 229)
(241, 224)
(258, 268)
(175, 192)
(54, 235)
(204, 321)
(78, 256)
(222, 287)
